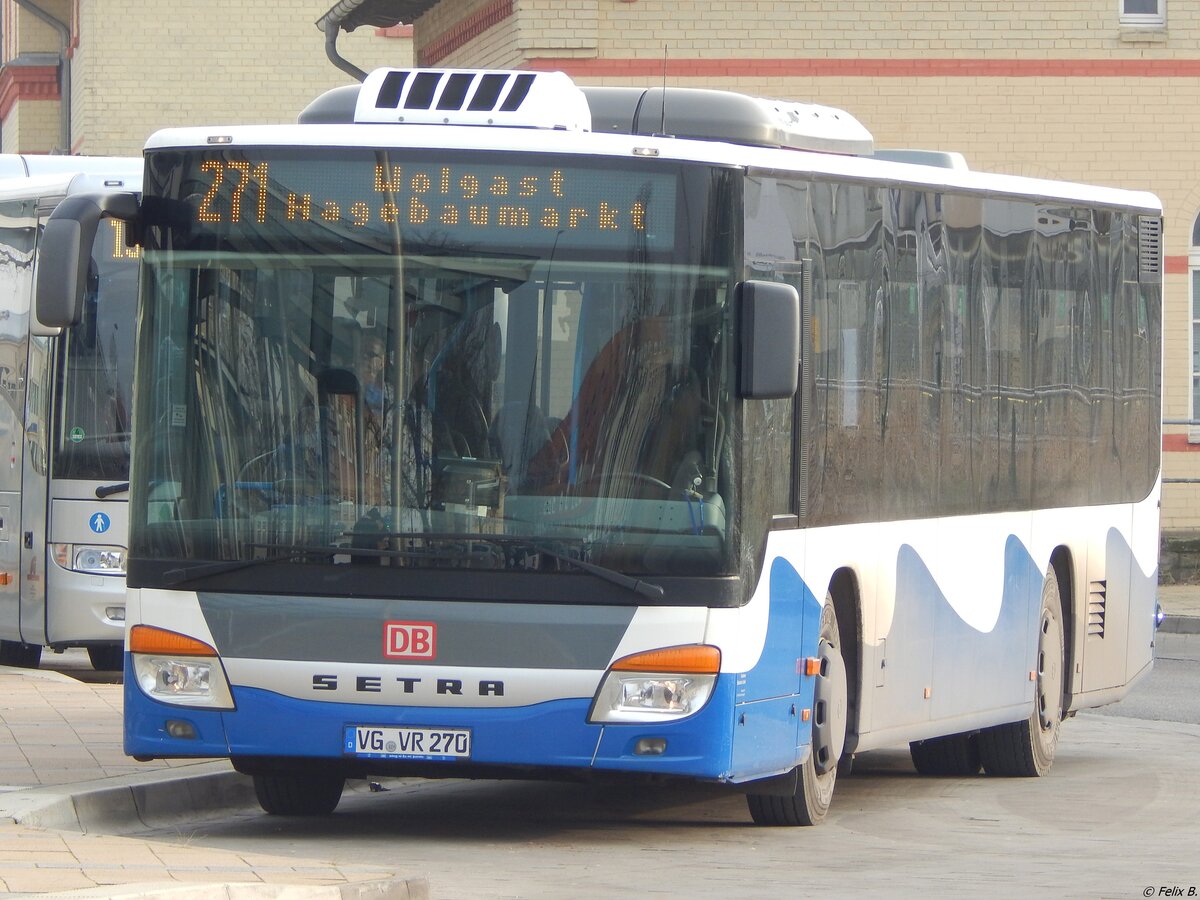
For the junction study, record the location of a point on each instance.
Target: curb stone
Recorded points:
(168, 797)
(109, 805)
(395, 889)
(1180, 625)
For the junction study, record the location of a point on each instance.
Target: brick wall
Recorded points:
(26, 33)
(31, 128)
(195, 62)
(29, 51)
(478, 34)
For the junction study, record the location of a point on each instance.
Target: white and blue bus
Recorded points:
(487, 426)
(64, 421)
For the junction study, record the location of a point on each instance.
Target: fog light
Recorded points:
(651, 747)
(116, 613)
(178, 728)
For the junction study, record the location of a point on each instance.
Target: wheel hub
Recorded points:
(830, 703)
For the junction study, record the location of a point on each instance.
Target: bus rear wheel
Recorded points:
(298, 795)
(1026, 749)
(816, 776)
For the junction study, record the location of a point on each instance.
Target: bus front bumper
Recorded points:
(555, 735)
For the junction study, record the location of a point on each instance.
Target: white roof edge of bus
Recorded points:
(438, 137)
(64, 183)
(59, 164)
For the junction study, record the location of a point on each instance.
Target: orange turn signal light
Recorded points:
(694, 659)
(148, 639)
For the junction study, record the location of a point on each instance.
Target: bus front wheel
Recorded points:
(1026, 748)
(298, 795)
(107, 657)
(954, 754)
(20, 655)
(815, 777)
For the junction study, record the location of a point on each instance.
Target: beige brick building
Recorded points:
(1088, 90)
(133, 66)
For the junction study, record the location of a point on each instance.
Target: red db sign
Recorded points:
(410, 640)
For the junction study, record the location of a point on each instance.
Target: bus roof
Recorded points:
(431, 110)
(519, 140)
(65, 183)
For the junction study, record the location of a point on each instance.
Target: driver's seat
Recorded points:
(518, 435)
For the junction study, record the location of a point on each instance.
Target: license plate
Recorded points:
(388, 742)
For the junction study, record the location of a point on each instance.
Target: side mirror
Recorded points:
(65, 249)
(769, 329)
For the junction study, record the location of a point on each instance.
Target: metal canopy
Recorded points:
(346, 15)
(350, 14)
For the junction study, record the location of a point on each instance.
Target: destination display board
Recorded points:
(497, 201)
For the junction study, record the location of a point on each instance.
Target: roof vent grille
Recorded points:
(473, 97)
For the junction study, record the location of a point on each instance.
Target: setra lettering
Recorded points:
(374, 684)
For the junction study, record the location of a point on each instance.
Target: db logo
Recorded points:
(410, 640)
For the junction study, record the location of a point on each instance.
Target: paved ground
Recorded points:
(1181, 604)
(64, 781)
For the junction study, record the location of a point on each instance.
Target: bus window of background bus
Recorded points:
(16, 270)
(96, 368)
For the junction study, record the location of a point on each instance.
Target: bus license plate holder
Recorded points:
(407, 742)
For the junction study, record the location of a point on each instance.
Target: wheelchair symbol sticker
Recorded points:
(99, 523)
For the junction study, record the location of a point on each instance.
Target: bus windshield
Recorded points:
(416, 361)
(96, 368)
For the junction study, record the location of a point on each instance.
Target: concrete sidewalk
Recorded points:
(66, 786)
(1181, 608)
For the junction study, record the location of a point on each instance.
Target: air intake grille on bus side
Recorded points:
(473, 97)
(1097, 608)
(1149, 246)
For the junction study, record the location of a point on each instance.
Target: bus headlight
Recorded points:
(178, 669)
(659, 685)
(94, 560)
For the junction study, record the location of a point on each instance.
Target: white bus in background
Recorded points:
(64, 423)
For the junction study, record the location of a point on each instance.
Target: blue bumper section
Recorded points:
(553, 734)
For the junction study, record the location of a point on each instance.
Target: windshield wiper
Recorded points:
(612, 576)
(645, 588)
(173, 577)
(107, 490)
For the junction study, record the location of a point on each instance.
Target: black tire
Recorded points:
(1026, 749)
(23, 656)
(954, 754)
(298, 795)
(107, 657)
(815, 778)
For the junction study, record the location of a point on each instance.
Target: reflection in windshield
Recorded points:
(96, 368)
(436, 410)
